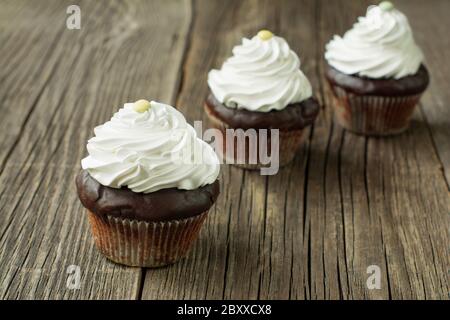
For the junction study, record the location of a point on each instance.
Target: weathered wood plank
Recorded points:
(285, 271)
(340, 244)
(22, 87)
(233, 264)
(391, 215)
(346, 203)
(310, 232)
(124, 51)
(431, 19)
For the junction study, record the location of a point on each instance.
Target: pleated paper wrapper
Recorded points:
(144, 244)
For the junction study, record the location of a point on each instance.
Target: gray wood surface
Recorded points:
(310, 232)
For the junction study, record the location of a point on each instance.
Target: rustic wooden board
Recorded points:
(435, 42)
(310, 232)
(57, 85)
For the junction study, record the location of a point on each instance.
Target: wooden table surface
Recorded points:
(310, 232)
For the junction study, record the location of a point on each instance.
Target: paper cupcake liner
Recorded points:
(289, 143)
(373, 115)
(144, 244)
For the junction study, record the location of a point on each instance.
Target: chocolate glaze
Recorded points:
(409, 85)
(162, 205)
(294, 116)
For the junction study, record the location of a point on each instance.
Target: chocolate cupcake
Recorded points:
(261, 87)
(147, 184)
(376, 73)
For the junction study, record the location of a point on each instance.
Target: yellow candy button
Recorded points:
(386, 5)
(141, 105)
(265, 35)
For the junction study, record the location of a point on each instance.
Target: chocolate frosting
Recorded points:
(162, 205)
(409, 85)
(294, 116)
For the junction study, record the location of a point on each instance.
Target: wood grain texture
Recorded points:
(310, 232)
(58, 84)
(435, 43)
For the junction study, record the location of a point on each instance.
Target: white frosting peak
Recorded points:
(262, 75)
(380, 45)
(150, 150)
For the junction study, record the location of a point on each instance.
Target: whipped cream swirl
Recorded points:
(148, 151)
(380, 45)
(262, 75)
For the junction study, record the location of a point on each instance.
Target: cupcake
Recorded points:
(147, 185)
(376, 73)
(261, 87)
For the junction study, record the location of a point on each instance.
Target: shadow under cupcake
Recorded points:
(376, 73)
